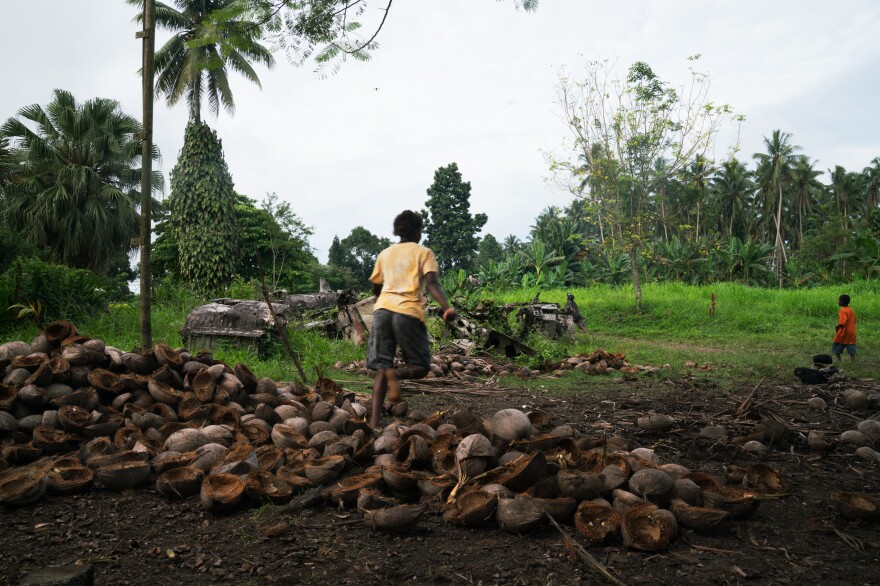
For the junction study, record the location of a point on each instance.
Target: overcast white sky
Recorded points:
(470, 81)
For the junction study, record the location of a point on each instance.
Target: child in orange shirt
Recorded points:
(845, 336)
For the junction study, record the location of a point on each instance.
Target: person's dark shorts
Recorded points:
(389, 330)
(838, 348)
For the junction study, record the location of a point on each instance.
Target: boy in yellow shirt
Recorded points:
(402, 272)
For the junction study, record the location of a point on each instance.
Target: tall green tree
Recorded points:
(449, 225)
(773, 175)
(620, 130)
(871, 175)
(489, 250)
(732, 186)
(77, 182)
(696, 180)
(202, 206)
(357, 252)
(847, 188)
(806, 185)
(207, 43)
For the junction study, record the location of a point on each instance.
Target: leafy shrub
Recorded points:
(63, 292)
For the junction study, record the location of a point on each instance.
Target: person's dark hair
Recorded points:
(844, 300)
(408, 225)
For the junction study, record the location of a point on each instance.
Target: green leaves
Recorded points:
(450, 228)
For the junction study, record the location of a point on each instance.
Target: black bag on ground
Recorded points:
(811, 376)
(823, 359)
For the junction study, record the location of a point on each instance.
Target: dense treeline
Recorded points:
(710, 222)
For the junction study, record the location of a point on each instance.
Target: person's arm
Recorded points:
(841, 321)
(436, 291)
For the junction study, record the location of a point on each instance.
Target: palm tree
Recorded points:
(806, 186)
(76, 190)
(774, 171)
(8, 163)
(847, 188)
(199, 55)
(732, 185)
(871, 175)
(696, 179)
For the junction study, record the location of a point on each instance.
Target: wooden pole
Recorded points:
(149, 48)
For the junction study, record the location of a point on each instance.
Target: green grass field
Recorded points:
(755, 332)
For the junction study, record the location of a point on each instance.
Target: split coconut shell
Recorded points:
(221, 492)
(858, 505)
(472, 508)
(397, 519)
(73, 480)
(702, 519)
(647, 527)
(597, 522)
(180, 483)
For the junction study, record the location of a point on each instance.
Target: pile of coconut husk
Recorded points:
(449, 362)
(75, 413)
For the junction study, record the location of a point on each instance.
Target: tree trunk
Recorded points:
(601, 228)
(637, 283)
(149, 46)
(196, 111)
(780, 247)
(698, 219)
(663, 214)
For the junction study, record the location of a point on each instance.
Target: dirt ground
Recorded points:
(138, 537)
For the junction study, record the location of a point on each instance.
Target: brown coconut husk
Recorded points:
(70, 480)
(22, 486)
(72, 418)
(561, 508)
(30, 362)
(57, 331)
(8, 394)
(597, 522)
(858, 505)
(472, 508)
(269, 458)
(185, 440)
(762, 478)
(650, 483)
(221, 492)
(536, 443)
(396, 519)
(42, 376)
(180, 483)
(139, 362)
(346, 491)
(739, 503)
(20, 454)
(223, 415)
(60, 369)
(704, 481)
(53, 441)
(262, 486)
(246, 376)
(285, 436)
(539, 418)
(163, 393)
(324, 470)
(295, 480)
(167, 356)
(467, 423)
(257, 433)
(169, 376)
(579, 484)
(123, 474)
(435, 486)
(518, 515)
(414, 451)
(370, 499)
(399, 478)
(702, 519)
(170, 460)
(203, 385)
(524, 472)
(647, 527)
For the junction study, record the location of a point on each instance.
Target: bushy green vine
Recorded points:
(202, 206)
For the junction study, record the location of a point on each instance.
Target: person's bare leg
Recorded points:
(379, 387)
(403, 373)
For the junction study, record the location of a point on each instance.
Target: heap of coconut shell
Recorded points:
(75, 413)
(471, 367)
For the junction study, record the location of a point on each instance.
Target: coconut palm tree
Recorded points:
(871, 175)
(732, 185)
(198, 57)
(773, 173)
(8, 163)
(847, 188)
(76, 188)
(806, 185)
(696, 181)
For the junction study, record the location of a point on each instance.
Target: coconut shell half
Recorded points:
(221, 492)
(647, 527)
(179, 483)
(701, 519)
(580, 485)
(262, 486)
(472, 508)
(597, 522)
(123, 474)
(858, 505)
(739, 503)
(346, 491)
(21, 487)
(524, 472)
(396, 519)
(518, 515)
(73, 480)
